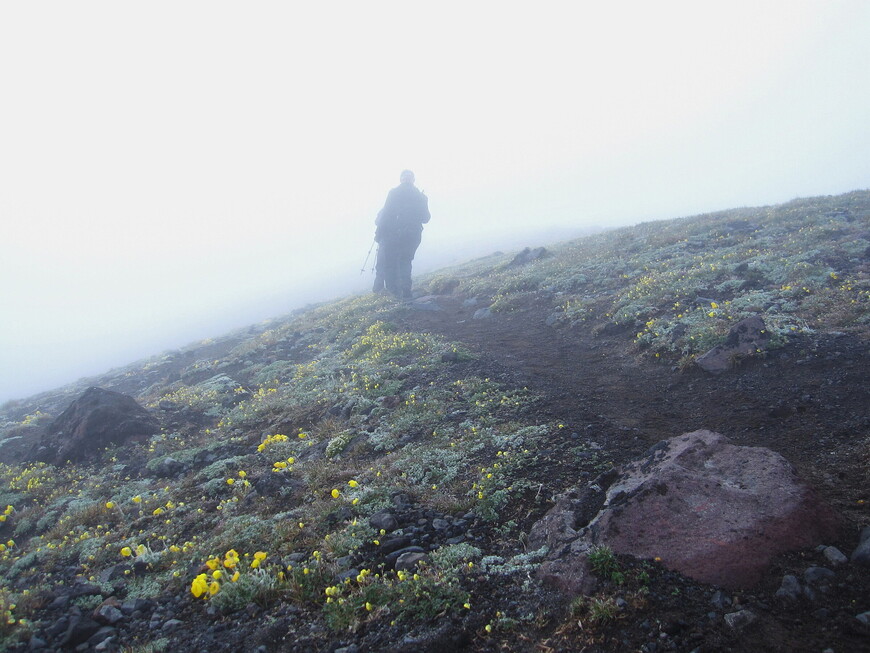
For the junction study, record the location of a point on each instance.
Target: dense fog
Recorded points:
(173, 171)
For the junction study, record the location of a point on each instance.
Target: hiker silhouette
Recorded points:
(398, 234)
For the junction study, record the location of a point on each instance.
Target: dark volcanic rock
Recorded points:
(708, 509)
(528, 255)
(744, 339)
(93, 421)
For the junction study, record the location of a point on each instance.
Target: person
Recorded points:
(398, 234)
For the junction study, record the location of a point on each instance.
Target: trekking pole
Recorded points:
(366, 262)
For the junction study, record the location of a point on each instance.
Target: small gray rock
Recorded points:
(482, 314)
(103, 638)
(171, 625)
(440, 524)
(790, 588)
(835, 556)
(740, 620)
(819, 576)
(108, 614)
(350, 573)
(392, 558)
(409, 561)
(353, 648)
(864, 618)
(720, 600)
(59, 603)
(383, 521)
(861, 555)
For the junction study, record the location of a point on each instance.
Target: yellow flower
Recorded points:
(126, 552)
(217, 574)
(158, 511)
(199, 586)
(136, 499)
(214, 587)
(212, 563)
(235, 576)
(242, 473)
(335, 494)
(353, 483)
(369, 606)
(141, 550)
(110, 504)
(231, 481)
(714, 305)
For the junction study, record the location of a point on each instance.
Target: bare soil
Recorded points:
(809, 401)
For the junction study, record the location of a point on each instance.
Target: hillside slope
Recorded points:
(461, 416)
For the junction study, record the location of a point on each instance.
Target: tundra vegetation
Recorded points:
(280, 444)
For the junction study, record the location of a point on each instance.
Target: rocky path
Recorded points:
(809, 402)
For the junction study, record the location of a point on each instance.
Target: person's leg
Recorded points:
(390, 266)
(404, 264)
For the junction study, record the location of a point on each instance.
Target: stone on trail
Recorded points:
(744, 339)
(711, 510)
(95, 420)
(861, 555)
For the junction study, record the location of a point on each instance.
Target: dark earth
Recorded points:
(809, 401)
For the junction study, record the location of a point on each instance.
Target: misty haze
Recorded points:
(168, 179)
(624, 404)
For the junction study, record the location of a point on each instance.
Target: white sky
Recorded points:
(169, 170)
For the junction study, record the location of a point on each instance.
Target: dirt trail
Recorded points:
(810, 401)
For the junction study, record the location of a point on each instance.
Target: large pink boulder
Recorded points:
(711, 510)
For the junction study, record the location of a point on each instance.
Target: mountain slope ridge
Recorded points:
(574, 363)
